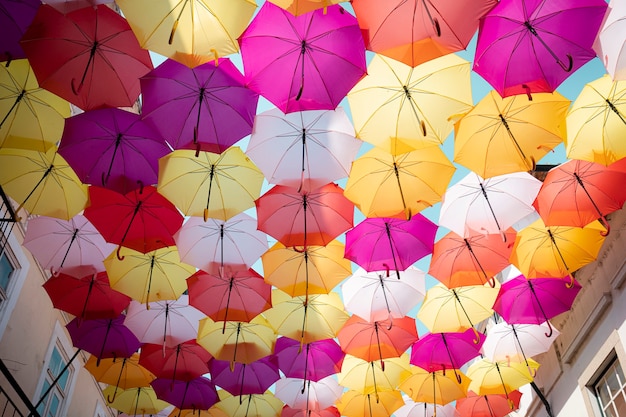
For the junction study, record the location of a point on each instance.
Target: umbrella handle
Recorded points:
(117, 253)
(549, 327)
(423, 126)
(570, 64)
(10, 58)
(606, 225)
(76, 90)
(171, 38)
(477, 339)
(437, 27)
(528, 92)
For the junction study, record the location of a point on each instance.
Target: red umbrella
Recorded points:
(89, 297)
(491, 405)
(142, 219)
(90, 57)
(304, 218)
(182, 362)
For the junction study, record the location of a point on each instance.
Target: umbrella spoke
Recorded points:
(15, 103)
(43, 177)
(533, 31)
(492, 280)
(118, 141)
(119, 378)
(518, 147)
(104, 340)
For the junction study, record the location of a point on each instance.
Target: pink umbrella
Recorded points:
(244, 379)
(317, 395)
(306, 62)
(183, 362)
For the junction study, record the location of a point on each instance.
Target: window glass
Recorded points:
(6, 270)
(611, 391)
(52, 403)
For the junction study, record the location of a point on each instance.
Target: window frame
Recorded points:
(20, 262)
(603, 372)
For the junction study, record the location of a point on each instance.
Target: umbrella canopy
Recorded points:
(190, 32)
(29, 115)
(314, 360)
(90, 56)
(73, 246)
(489, 405)
(134, 401)
(206, 108)
(123, 373)
(298, 7)
(541, 52)
(609, 44)
(441, 351)
(251, 405)
(15, 17)
(386, 185)
(417, 31)
(314, 395)
(435, 387)
(214, 411)
(303, 218)
(112, 148)
(424, 409)
(244, 379)
(305, 149)
(500, 377)
(306, 62)
(370, 377)
(66, 6)
(212, 185)
(596, 122)
(505, 135)
(297, 412)
(490, 205)
(198, 394)
(518, 342)
(400, 108)
(183, 362)
(355, 404)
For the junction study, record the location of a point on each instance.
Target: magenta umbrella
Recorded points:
(15, 17)
(536, 300)
(112, 148)
(197, 394)
(532, 46)
(379, 244)
(245, 379)
(206, 108)
(306, 62)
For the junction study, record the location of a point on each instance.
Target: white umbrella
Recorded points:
(517, 342)
(315, 395)
(421, 409)
(610, 45)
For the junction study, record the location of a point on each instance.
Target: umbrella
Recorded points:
(306, 217)
(133, 401)
(386, 185)
(311, 361)
(471, 260)
(609, 44)
(167, 323)
(216, 243)
(317, 394)
(244, 379)
(435, 387)
(400, 108)
(198, 394)
(307, 319)
(379, 244)
(541, 52)
(183, 362)
(556, 251)
(378, 296)
(190, 32)
(596, 122)
(576, 193)
(252, 405)
(534, 301)
(312, 270)
(206, 108)
(424, 409)
(73, 246)
(90, 57)
(489, 405)
(299, 7)
(306, 62)
(29, 115)
(214, 411)
(212, 185)
(305, 149)
(142, 219)
(87, 297)
(505, 135)
(501, 377)
(488, 205)
(370, 377)
(229, 295)
(15, 17)
(112, 148)
(41, 182)
(122, 373)
(297, 412)
(66, 6)
(240, 342)
(157, 275)
(416, 31)
(355, 404)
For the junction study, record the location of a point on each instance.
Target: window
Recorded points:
(52, 404)
(610, 390)
(6, 272)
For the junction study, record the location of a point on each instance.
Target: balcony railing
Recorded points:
(13, 401)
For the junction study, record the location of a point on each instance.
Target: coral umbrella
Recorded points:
(15, 17)
(29, 115)
(501, 377)
(197, 394)
(296, 412)
(214, 411)
(206, 108)
(312, 361)
(355, 404)
(253, 405)
(72, 246)
(306, 62)
(609, 44)
(417, 31)
(306, 217)
(379, 244)
(471, 260)
(369, 377)
(489, 405)
(316, 395)
(125, 373)
(134, 401)
(306, 149)
(539, 51)
(183, 362)
(435, 387)
(244, 379)
(142, 219)
(112, 148)
(90, 57)
(87, 297)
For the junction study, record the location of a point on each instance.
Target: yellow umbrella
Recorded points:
(320, 317)
(207, 184)
(298, 7)
(356, 404)
(556, 251)
(291, 269)
(236, 341)
(400, 108)
(189, 31)
(500, 136)
(370, 378)
(211, 412)
(252, 405)
(596, 123)
(42, 182)
(154, 276)
(122, 373)
(500, 377)
(386, 185)
(30, 116)
(437, 387)
(135, 401)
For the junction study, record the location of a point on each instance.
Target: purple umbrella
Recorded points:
(103, 338)
(197, 394)
(379, 244)
(532, 46)
(244, 379)
(206, 108)
(112, 148)
(306, 62)
(15, 17)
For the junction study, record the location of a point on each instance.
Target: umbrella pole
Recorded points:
(521, 349)
(303, 47)
(117, 384)
(137, 402)
(175, 365)
(208, 200)
(92, 53)
(382, 284)
(305, 204)
(248, 406)
(433, 20)
(67, 251)
(182, 402)
(517, 145)
(492, 280)
(393, 255)
(603, 220)
(445, 343)
(106, 336)
(56, 380)
(407, 93)
(369, 402)
(375, 384)
(434, 396)
(197, 126)
(303, 159)
(230, 291)
(105, 178)
(380, 352)
(167, 312)
(243, 374)
(553, 240)
(306, 307)
(532, 290)
(43, 177)
(489, 406)
(221, 247)
(232, 363)
(533, 31)
(15, 103)
(130, 223)
(506, 392)
(456, 296)
(493, 213)
(306, 366)
(407, 212)
(152, 261)
(175, 25)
